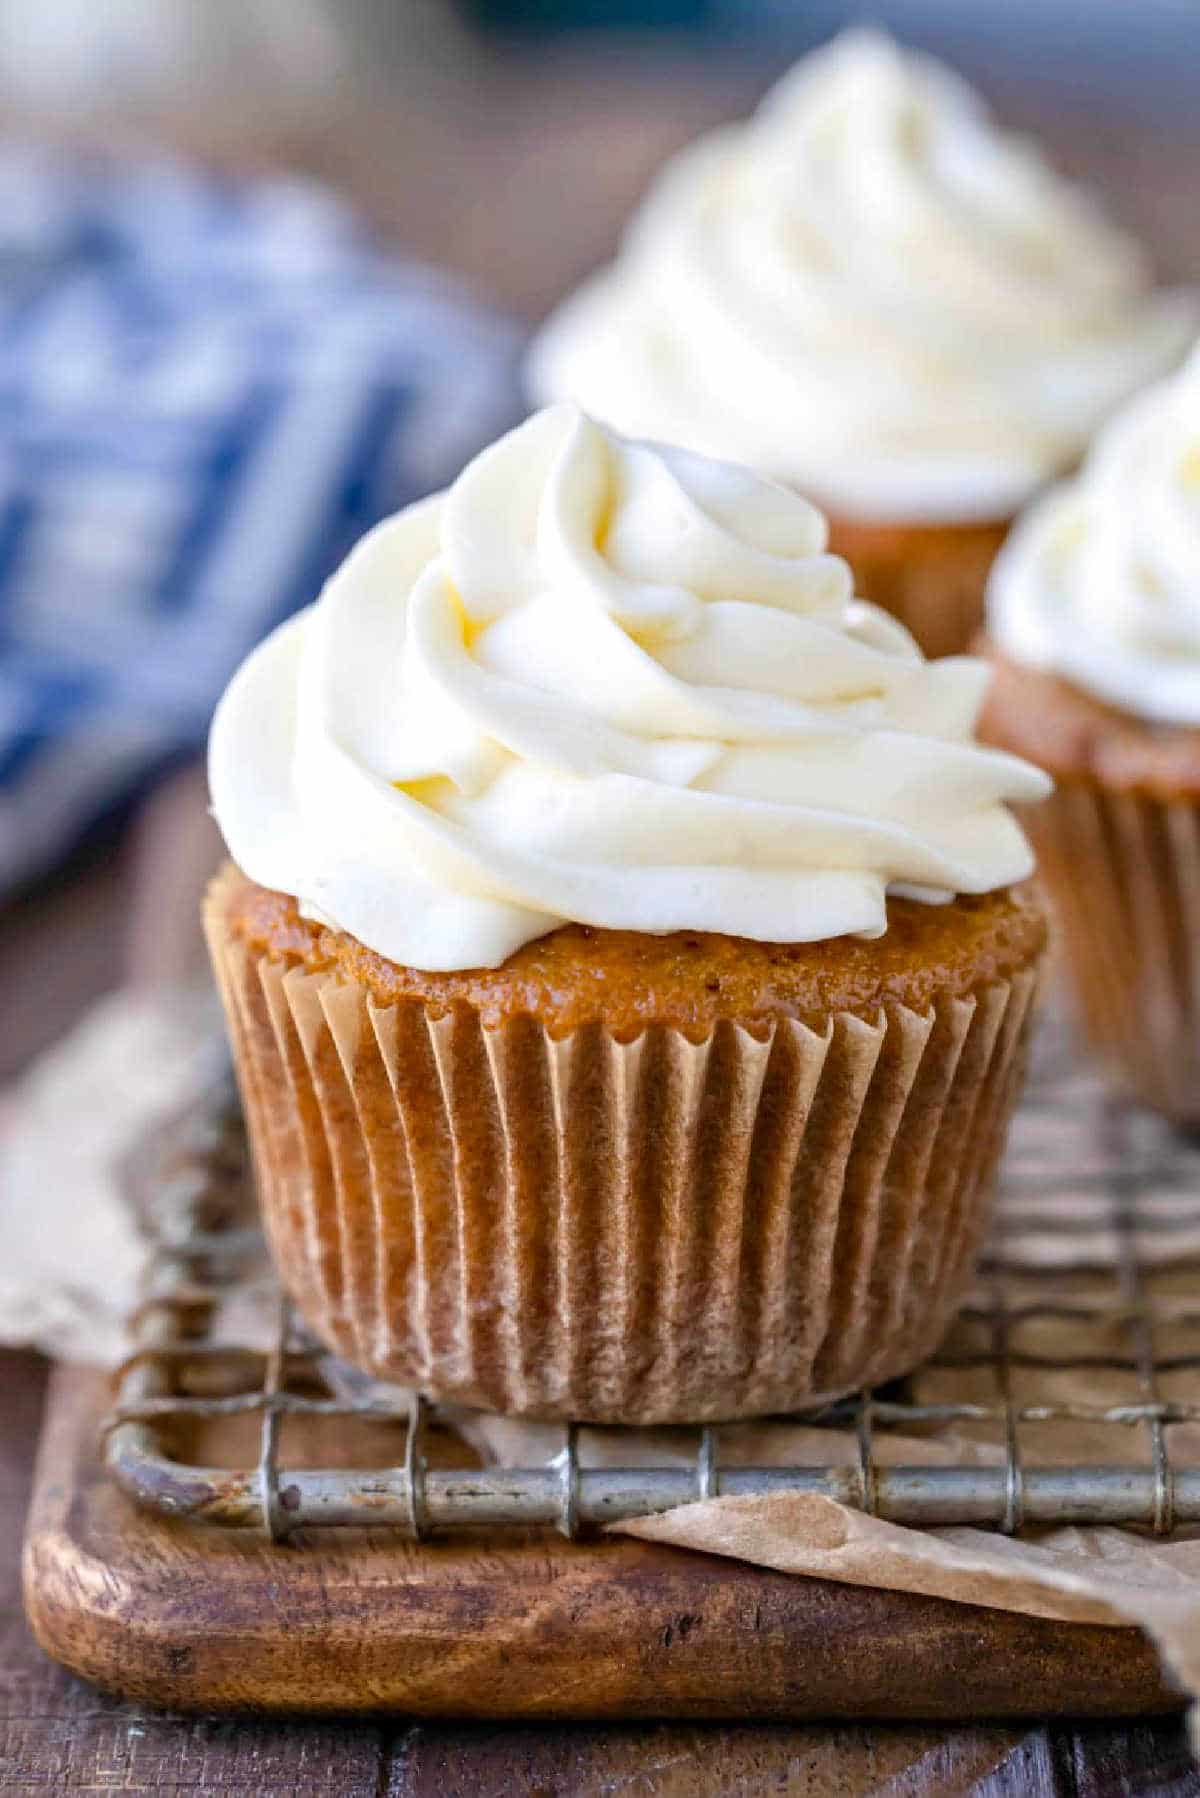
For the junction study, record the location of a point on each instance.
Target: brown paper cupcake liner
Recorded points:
(931, 577)
(1122, 869)
(649, 1231)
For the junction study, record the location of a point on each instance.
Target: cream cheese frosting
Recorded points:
(867, 290)
(1100, 581)
(612, 683)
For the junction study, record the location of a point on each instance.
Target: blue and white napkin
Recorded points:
(208, 390)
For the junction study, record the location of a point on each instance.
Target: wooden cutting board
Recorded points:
(201, 1619)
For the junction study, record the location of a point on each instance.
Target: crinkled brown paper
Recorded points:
(1095, 1575)
(1130, 929)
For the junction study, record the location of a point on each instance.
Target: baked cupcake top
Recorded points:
(869, 291)
(610, 683)
(1100, 581)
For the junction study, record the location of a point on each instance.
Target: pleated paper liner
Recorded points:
(1123, 872)
(931, 577)
(637, 1232)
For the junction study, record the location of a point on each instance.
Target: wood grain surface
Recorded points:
(198, 1618)
(60, 1735)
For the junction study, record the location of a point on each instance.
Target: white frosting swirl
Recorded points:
(613, 683)
(868, 291)
(1100, 581)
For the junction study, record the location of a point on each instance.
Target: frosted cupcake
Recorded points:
(1094, 618)
(870, 293)
(622, 957)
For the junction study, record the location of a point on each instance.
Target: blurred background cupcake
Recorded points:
(1094, 620)
(871, 292)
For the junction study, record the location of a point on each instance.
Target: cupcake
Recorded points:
(621, 951)
(869, 293)
(1094, 622)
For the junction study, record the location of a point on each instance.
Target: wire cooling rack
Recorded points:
(1085, 1326)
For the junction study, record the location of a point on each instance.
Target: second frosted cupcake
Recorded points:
(622, 964)
(1094, 619)
(870, 292)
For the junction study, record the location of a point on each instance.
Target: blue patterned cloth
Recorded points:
(207, 392)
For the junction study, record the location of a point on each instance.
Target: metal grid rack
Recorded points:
(1086, 1180)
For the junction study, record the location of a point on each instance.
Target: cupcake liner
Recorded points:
(1122, 869)
(931, 577)
(651, 1231)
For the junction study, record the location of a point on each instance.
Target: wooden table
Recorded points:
(522, 178)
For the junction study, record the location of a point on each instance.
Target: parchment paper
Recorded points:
(1095, 1575)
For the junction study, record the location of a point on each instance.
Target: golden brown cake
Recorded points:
(1077, 737)
(625, 981)
(931, 577)
(627, 1178)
